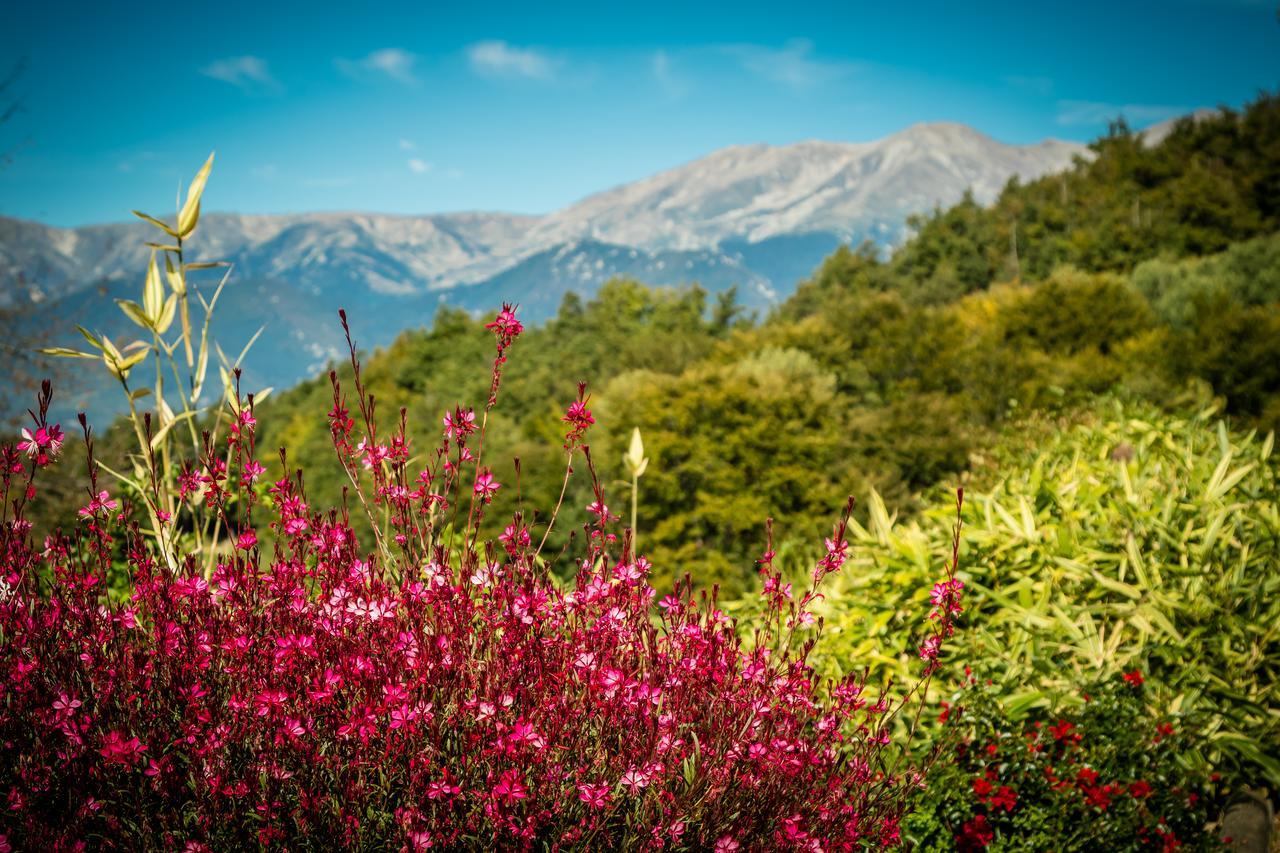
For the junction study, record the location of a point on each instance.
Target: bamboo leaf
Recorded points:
(90, 337)
(129, 362)
(177, 281)
(190, 213)
(64, 352)
(164, 430)
(167, 313)
(134, 312)
(156, 222)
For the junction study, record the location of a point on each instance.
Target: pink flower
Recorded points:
(460, 424)
(443, 789)
(246, 540)
(66, 705)
(44, 444)
(595, 796)
(510, 789)
(100, 502)
(578, 416)
(945, 596)
(635, 780)
(486, 485)
(117, 749)
(505, 326)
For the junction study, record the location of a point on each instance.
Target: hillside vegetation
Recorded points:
(1148, 272)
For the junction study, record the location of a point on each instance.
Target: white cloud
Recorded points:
(419, 167)
(496, 57)
(792, 65)
(1100, 112)
(407, 145)
(247, 73)
(666, 76)
(391, 62)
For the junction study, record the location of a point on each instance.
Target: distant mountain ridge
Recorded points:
(757, 216)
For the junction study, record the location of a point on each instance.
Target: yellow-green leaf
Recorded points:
(134, 312)
(153, 291)
(156, 222)
(177, 281)
(90, 337)
(167, 313)
(64, 352)
(191, 209)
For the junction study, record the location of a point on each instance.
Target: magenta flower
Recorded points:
(595, 796)
(510, 789)
(100, 502)
(117, 749)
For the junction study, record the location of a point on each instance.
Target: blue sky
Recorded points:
(424, 107)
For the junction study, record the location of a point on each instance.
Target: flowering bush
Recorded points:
(435, 690)
(1104, 774)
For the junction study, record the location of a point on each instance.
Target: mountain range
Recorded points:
(760, 217)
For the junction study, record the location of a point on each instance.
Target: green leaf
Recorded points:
(153, 290)
(129, 362)
(109, 348)
(164, 430)
(190, 213)
(64, 352)
(156, 222)
(167, 313)
(177, 281)
(134, 312)
(90, 337)
(185, 225)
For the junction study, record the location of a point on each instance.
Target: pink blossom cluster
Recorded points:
(425, 690)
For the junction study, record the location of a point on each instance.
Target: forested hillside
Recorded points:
(1148, 271)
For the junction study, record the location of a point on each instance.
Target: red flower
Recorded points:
(1139, 790)
(1062, 729)
(1006, 798)
(1135, 678)
(975, 834)
(982, 788)
(1098, 795)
